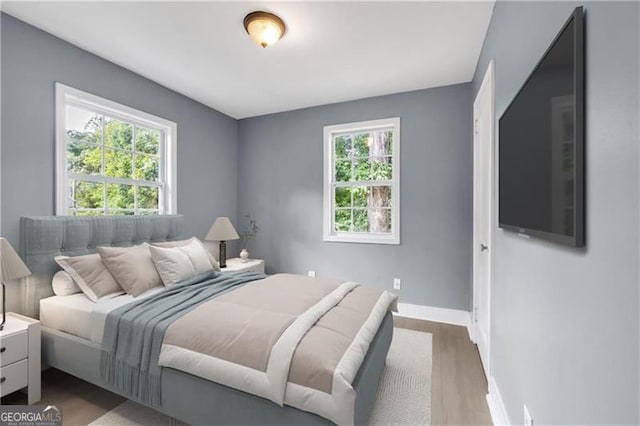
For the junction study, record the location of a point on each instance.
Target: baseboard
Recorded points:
(431, 313)
(497, 409)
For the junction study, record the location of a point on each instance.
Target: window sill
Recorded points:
(363, 239)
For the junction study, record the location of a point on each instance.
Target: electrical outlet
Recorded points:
(528, 420)
(397, 284)
(311, 273)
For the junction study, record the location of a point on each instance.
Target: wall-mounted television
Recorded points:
(541, 145)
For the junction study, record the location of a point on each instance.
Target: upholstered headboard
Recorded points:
(45, 237)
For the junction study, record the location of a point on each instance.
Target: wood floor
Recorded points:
(458, 384)
(457, 395)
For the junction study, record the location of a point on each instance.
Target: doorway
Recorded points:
(483, 225)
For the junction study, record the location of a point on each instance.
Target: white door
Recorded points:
(483, 122)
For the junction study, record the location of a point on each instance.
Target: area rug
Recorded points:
(404, 394)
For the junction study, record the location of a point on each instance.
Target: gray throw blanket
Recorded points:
(133, 333)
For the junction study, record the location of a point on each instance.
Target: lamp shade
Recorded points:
(11, 266)
(222, 230)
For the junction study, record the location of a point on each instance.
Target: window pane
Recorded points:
(379, 196)
(342, 220)
(379, 220)
(361, 144)
(87, 195)
(84, 158)
(361, 169)
(343, 197)
(147, 141)
(148, 197)
(375, 168)
(118, 134)
(371, 196)
(380, 143)
(149, 212)
(120, 196)
(118, 163)
(388, 141)
(360, 196)
(381, 168)
(360, 221)
(343, 146)
(146, 167)
(83, 125)
(343, 171)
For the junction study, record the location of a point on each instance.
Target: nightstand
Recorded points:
(237, 265)
(20, 356)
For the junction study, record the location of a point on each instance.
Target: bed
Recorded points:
(72, 326)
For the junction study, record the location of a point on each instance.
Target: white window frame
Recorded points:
(329, 203)
(66, 95)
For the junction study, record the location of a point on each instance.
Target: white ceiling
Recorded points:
(332, 51)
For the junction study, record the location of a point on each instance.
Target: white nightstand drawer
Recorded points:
(14, 377)
(13, 348)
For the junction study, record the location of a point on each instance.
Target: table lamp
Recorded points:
(11, 268)
(222, 230)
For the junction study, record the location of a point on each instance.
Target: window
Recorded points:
(112, 159)
(362, 182)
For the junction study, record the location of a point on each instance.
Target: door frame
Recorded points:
(488, 83)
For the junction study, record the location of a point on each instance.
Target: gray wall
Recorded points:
(565, 321)
(33, 61)
(280, 184)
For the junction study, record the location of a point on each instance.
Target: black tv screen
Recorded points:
(541, 145)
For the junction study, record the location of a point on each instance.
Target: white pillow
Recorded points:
(176, 264)
(64, 285)
(212, 259)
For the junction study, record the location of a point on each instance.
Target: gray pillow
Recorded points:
(91, 275)
(132, 267)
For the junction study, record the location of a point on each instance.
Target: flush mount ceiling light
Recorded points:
(264, 28)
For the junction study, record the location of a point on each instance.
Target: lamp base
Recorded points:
(222, 256)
